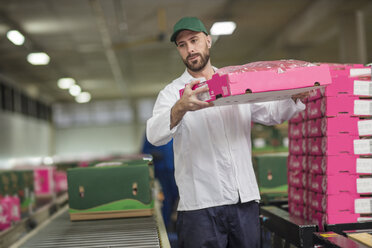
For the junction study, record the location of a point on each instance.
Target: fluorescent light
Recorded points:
(15, 37)
(74, 90)
(83, 97)
(223, 28)
(38, 58)
(65, 83)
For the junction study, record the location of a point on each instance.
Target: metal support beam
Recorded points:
(353, 47)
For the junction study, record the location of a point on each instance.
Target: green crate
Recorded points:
(271, 174)
(110, 191)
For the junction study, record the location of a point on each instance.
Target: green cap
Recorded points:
(188, 23)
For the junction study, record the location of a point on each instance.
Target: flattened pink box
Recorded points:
(331, 106)
(297, 146)
(330, 126)
(297, 162)
(331, 145)
(297, 130)
(332, 165)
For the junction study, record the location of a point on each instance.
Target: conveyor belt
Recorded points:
(129, 232)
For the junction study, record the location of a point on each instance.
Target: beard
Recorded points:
(197, 64)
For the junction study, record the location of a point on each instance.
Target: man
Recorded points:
(218, 191)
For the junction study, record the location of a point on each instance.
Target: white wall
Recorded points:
(22, 136)
(99, 139)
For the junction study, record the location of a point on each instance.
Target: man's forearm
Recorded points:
(177, 114)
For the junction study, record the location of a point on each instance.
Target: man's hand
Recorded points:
(188, 102)
(300, 96)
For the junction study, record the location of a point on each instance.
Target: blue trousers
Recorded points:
(228, 226)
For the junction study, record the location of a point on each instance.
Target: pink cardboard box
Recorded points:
(330, 126)
(267, 84)
(297, 162)
(331, 106)
(44, 180)
(297, 130)
(334, 184)
(332, 165)
(60, 181)
(333, 204)
(297, 146)
(5, 213)
(297, 179)
(331, 145)
(299, 117)
(297, 195)
(298, 210)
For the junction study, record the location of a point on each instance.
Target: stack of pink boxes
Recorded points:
(330, 162)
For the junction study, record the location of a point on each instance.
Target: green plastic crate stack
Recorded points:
(111, 190)
(271, 174)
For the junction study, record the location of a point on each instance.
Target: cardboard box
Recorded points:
(44, 181)
(297, 163)
(334, 184)
(266, 85)
(297, 179)
(298, 146)
(331, 106)
(297, 130)
(332, 165)
(333, 204)
(331, 145)
(299, 117)
(110, 191)
(330, 126)
(297, 195)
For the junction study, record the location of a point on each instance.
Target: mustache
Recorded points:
(192, 54)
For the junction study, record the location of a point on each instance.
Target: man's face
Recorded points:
(194, 49)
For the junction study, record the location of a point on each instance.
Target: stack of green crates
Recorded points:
(271, 174)
(114, 190)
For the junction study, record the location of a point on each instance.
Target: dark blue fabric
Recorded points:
(163, 159)
(229, 226)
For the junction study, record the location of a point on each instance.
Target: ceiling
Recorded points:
(120, 49)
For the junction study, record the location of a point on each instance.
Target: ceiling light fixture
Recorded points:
(83, 97)
(38, 58)
(74, 90)
(65, 83)
(223, 28)
(15, 37)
